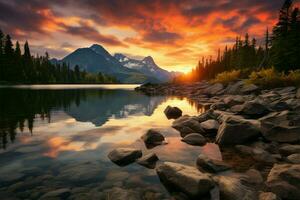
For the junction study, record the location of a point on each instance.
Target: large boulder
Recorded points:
(280, 133)
(186, 125)
(206, 164)
(153, 137)
(124, 156)
(148, 160)
(172, 112)
(237, 131)
(195, 139)
(284, 180)
(186, 179)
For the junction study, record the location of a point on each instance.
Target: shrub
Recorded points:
(227, 77)
(271, 78)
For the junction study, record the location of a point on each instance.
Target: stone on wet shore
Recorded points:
(252, 108)
(233, 100)
(294, 158)
(254, 176)
(124, 156)
(148, 160)
(214, 89)
(195, 139)
(249, 88)
(298, 94)
(237, 131)
(62, 193)
(187, 124)
(289, 149)
(172, 112)
(210, 126)
(268, 196)
(206, 164)
(284, 181)
(153, 137)
(280, 133)
(186, 179)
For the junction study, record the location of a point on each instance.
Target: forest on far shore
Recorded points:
(18, 68)
(280, 54)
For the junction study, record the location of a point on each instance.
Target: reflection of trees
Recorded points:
(19, 108)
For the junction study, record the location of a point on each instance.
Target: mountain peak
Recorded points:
(149, 60)
(99, 49)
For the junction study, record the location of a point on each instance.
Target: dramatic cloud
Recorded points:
(175, 32)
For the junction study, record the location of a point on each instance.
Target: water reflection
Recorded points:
(62, 138)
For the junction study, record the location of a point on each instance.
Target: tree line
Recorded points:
(280, 50)
(16, 68)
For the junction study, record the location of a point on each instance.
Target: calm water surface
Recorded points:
(59, 136)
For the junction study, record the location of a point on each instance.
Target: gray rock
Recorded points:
(219, 106)
(256, 153)
(214, 89)
(195, 139)
(268, 196)
(233, 100)
(253, 108)
(236, 131)
(254, 176)
(289, 149)
(298, 94)
(172, 112)
(56, 194)
(284, 181)
(234, 88)
(153, 137)
(210, 125)
(294, 158)
(186, 179)
(186, 125)
(206, 116)
(148, 160)
(124, 156)
(211, 165)
(278, 133)
(279, 106)
(249, 88)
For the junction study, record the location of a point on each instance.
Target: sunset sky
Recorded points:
(176, 33)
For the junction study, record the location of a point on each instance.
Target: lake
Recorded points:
(58, 136)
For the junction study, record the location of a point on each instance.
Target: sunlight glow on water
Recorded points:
(68, 146)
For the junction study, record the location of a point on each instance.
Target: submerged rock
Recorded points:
(148, 160)
(284, 180)
(186, 179)
(153, 137)
(124, 156)
(237, 131)
(117, 193)
(195, 139)
(211, 165)
(172, 112)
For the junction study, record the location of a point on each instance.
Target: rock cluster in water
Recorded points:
(257, 130)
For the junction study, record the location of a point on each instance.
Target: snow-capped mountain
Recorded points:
(97, 59)
(146, 66)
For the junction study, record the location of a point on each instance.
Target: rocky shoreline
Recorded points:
(257, 130)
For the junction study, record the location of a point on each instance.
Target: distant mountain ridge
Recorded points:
(145, 66)
(96, 59)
